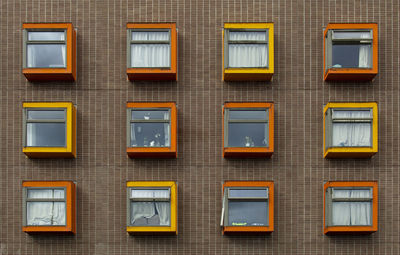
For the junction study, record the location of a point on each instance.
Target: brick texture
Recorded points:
(102, 90)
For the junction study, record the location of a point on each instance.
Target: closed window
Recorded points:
(152, 207)
(247, 207)
(350, 128)
(49, 206)
(350, 206)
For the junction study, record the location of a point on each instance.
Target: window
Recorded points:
(351, 130)
(247, 206)
(49, 130)
(152, 207)
(151, 130)
(248, 51)
(152, 51)
(49, 52)
(49, 206)
(351, 52)
(248, 129)
(350, 207)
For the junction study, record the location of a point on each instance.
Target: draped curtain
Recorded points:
(151, 54)
(351, 134)
(46, 213)
(149, 209)
(351, 213)
(365, 52)
(247, 55)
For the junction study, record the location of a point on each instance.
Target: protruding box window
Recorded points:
(49, 206)
(152, 51)
(248, 207)
(49, 130)
(350, 207)
(151, 130)
(350, 52)
(152, 207)
(248, 129)
(49, 52)
(248, 51)
(350, 130)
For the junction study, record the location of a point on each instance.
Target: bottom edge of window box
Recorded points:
(349, 154)
(264, 76)
(53, 76)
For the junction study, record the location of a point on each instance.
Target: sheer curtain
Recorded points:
(247, 55)
(364, 59)
(150, 209)
(167, 132)
(351, 213)
(31, 56)
(351, 134)
(151, 54)
(45, 213)
(63, 52)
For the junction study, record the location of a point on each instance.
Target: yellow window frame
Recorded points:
(69, 151)
(252, 74)
(353, 152)
(172, 229)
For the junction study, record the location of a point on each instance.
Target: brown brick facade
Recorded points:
(101, 92)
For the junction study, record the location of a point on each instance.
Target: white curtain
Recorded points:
(365, 52)
(247, 55)
(150, 209)
(31, 56)
(351, 213)
(142, 210)
(152, 54)
(163, 211)
(266, 135)
(46, 213)
(30, 134)
(63, 52)
(351, 134)
(156, 193)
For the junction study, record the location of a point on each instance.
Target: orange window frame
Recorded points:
(233, 152)
(69, 151)
(172, 229)
(53, 74)
(252, 229)
(352, 74)
(70, 193)
(153, 73)
(352, 229)
(153, 152)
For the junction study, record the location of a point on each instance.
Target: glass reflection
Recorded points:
(45, 115)
(45, 135)
(241, 213)
(46, 55)
(150, 134)
(248, 135)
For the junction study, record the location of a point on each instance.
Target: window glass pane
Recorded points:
(150, 115)
(46, 55)
(149, 193)
(248, 134)
(150, 36)
(150, 55)
(351, 213)
(248, 55)
(46, 36)
(150, 134)
(45, 115)
(351, 134)
(45, 134)
(262, 193)
(40, 193)
(248, 36)
(150, 214)
(351, 56)
(352, 35)
(352, 114)
(247, 213)
(45, 213)
(247, 115)
(352, 193)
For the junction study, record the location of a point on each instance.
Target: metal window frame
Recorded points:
(130, 121)
(227, 41)
(130, 42)
(329, 120)
(329, 200)
(227, 121)
(26, 200)
(27, 42)
(26, 121)
(227, 197)
(330, 41)
(130, 200)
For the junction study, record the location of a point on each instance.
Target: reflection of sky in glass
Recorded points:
(247, 134)
(46, 36)
(247, 115)
(150, 115)
(46, 55)
(248, 193)
(345, 56)
(45, 115)
(249, 213)
(45, 134)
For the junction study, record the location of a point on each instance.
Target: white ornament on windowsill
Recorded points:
(248, 142)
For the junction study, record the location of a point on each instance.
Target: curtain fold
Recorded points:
(142, 210)
(150, 55)
(351, 213)
(365, 52)
(248, 55)
(163, 210)
(63, 52)
(351, 134)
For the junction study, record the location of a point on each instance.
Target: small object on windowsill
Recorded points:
(145, 142)
(248, 142)
(257, 224)
(239, 223)
(337, 66)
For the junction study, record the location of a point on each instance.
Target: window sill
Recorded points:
(247, 74)
(49, 74)
(155, 74)
(350, 152)
(152, 230)
(349, 230)
(350, 74)
(48, 152)
(231, 230)
(148, 152)
(245, 152)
